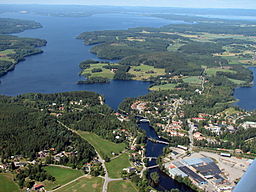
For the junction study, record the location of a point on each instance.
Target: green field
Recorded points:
(122, 186)
(238, 82)
(235, 60)
(106, 73)
(62, 176)
(192, 80)
(4, 57)
(7, 52)
(85, 184)
(102, 146)
(145, 72)
(168, 86)
(7, 184)
(116, 166)
(230, 111)
(7, 59)
(213, 71)
(175, 46)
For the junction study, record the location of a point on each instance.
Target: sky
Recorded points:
(243, 4)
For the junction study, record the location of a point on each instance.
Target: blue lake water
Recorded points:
(155, 150)
(57, 69)
(247, 95)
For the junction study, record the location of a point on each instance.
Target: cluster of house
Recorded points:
(201, 171)
(122, 133)
(37, 187)
(218, 123)
(139, 105)
(249, 124)
(58, 109)
(80, 102)
(173, 129)
(55, 155)
(198, 136)
(130, 170)
(121, 117)
(17, 161)
(137, 154)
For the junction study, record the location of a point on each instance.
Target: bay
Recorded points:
(57, 69)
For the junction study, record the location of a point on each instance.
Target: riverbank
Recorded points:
(156, 150)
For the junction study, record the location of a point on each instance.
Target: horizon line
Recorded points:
(54, 4)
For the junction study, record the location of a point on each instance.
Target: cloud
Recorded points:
(251, 4)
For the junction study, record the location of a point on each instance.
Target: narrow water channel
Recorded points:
(156, 150)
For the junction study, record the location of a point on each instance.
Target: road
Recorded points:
(106, 178)
(190, 135)
(68, 183)
(61, 166)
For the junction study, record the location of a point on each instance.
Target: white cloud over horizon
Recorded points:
(243, 4)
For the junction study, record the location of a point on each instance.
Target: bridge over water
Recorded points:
(152, 167)
(158, 141)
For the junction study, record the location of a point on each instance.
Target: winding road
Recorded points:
(106, 178)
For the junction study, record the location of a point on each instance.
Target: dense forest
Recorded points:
(209, 25)
(100, 120)
(180, 49)
(33, 116)
(8, 26)
(27, 128)
(14, 49)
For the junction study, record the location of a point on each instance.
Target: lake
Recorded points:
(247, 95)
(57, 69)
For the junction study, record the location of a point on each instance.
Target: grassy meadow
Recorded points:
(103, 146)
(116, 166)
(62, 176)
(7, 184)
(84, 184)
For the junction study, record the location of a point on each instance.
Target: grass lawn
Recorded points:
(122, 186)
(192, 80)
(7, 184)
(213, 71)
(145, 72)
(7, 59)
(168, 86)
(7, 52)
(175, 46)
(238, 82)
(85, 184)
(62, 176)
(234, 60)
(103, 146)
(230, 111)
(107, 73)
(115, 166)
(4, 57)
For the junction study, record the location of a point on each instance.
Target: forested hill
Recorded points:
(28, 124)
(35, 122)
(14, 49)
(8, 25)
(173, 55)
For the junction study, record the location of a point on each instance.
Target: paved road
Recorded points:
(106, 178)
(61, 166)
(190, 134)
